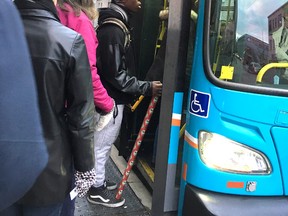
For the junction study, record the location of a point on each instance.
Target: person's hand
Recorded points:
(156, 88)
(83, 181)
(104, 119)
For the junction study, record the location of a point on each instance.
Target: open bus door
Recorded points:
(164, 179)
(235, 157)
(180, 40)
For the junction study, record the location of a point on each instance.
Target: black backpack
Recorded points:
(120, 24)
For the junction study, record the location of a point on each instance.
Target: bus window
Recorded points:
(249, 42)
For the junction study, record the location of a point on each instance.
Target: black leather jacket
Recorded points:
(65, 97)
(115, 64)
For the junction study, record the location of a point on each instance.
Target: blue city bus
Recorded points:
(231, 103)
(235, 155)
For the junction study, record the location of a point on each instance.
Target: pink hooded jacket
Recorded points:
(83, 25)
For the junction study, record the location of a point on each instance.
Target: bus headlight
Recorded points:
(227, 155)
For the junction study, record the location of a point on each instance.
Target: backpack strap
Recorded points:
(120, 24)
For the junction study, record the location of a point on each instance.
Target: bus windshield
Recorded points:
(249, 42)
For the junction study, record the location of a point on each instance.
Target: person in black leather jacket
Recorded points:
(115, 64)
(65, 96)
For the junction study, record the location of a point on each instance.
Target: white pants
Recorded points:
(103, 141)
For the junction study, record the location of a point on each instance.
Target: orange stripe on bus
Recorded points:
(235, 184)
(192, 144)
(176, 122)
(184, 174)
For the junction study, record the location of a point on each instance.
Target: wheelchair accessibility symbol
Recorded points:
(199, 103)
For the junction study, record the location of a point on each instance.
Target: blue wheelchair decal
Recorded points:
(199, 103)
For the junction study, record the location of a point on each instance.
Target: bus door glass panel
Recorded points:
(190, 54)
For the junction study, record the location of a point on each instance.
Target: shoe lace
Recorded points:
(105, 184)
(110, 195)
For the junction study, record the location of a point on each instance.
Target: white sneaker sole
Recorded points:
(111, 205)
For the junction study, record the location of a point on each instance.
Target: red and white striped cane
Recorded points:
(137, 145)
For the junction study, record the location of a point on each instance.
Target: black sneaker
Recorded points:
(103, 196)
(110, 185)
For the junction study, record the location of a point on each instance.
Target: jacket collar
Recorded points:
(38, 13)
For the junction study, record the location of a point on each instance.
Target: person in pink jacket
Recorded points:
(78, 15)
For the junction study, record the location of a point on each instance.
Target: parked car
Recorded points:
(254, 67)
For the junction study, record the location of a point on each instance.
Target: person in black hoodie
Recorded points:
(115, 64)
(65, 95)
